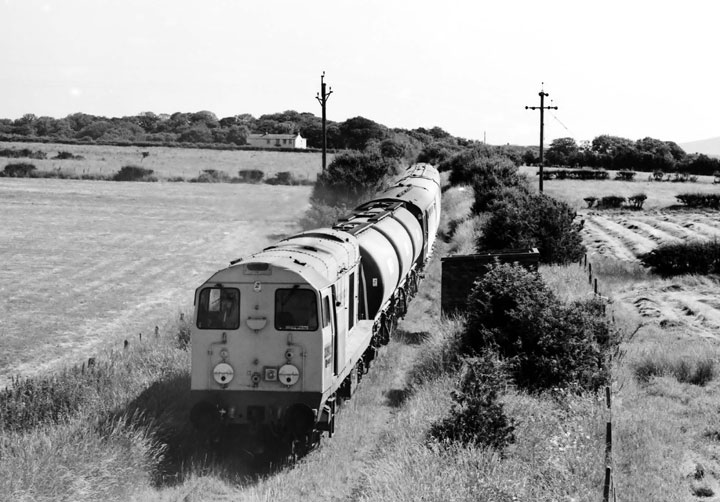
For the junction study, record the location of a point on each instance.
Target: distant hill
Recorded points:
(710, 146)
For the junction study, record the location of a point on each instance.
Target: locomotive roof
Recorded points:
(317, 257)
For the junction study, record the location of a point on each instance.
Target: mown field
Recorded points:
(167, 162)
(87, 264)
(667, 443)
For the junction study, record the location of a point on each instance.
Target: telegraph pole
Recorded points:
(322, 97)
(542, 109)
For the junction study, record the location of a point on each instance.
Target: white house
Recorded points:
(277, 140)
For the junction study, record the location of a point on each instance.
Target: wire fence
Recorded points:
(609, 492)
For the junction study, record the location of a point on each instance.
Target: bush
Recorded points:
(184, 334)
(68, 156)
(211, 176)
(684, 258)
(523, 220)
(637, 200)
(19, 170)
(611, 202)
(352, 178)
(250, 175)
(434, 153)
(134, 173)
(286, 178)
(546, 343)
(491, 178)
(625, 175)
(590, 201)
(476, 417)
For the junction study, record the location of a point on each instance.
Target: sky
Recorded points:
(629, 68)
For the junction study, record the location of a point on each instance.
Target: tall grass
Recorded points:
(699, 370)
(98, 433)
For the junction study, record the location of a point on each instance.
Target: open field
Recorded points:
(167, 162)
(666, 426)
(626, 235)
(659, 194)
(87, 264)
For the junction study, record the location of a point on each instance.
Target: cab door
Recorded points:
(340, 304)
(328, 336)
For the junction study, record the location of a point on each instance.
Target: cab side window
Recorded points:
(296, 310)
(219, 308)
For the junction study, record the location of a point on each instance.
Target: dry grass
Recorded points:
(169, 162)
(90, 263)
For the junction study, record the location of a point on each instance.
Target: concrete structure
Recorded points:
(459, 273)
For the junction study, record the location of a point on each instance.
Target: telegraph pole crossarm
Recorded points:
(542, 109)
(322, 98)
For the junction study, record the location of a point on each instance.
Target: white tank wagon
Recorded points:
(281, 337)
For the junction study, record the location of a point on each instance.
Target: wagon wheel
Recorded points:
(384, 329)
(402, 303)
(412, 285)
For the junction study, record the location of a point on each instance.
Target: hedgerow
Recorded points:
(684, 258)
(709, 200)
(23, 152)
(582, 174)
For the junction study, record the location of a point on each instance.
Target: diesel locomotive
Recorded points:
(281, 337)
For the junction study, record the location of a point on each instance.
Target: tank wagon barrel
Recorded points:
(282, 336)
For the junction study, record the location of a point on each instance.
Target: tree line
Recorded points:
(622, 154)
(204, 127)
(357, 133)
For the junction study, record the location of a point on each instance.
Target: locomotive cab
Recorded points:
(271, 333)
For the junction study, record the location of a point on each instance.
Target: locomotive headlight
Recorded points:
(288, 374)
(223, 373)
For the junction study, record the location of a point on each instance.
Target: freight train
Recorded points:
(281, 337)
